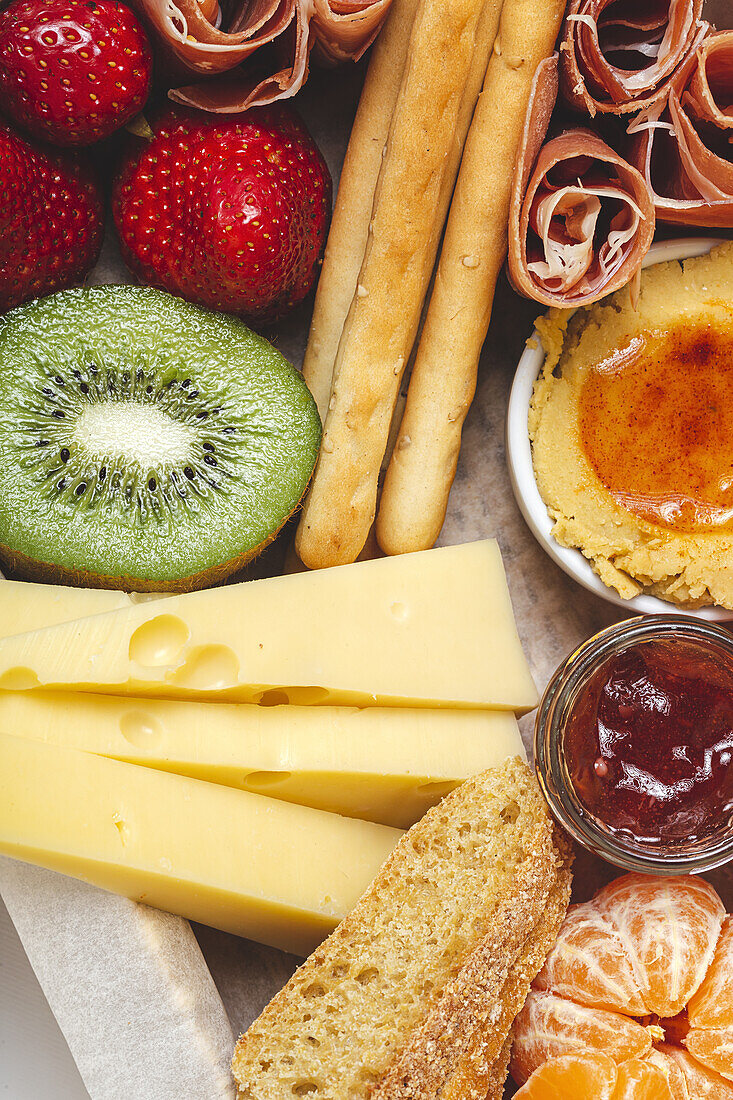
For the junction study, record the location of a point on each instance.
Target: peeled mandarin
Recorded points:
(674, 1076)
(550, 1027)
(640, 974)
(714, 1048)
(712, 1005)
(701, 1082)
(640, 1080)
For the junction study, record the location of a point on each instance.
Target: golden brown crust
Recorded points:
(423, 463)
(347, 237)
(474, 1077)
(499, 1071)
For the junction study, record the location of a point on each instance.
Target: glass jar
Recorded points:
(561, 696)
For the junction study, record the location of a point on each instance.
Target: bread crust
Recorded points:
(475, 1077)
(499, 1071)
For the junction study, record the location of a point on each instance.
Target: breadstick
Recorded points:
(423, 464)
(347, 238)
(382, 321)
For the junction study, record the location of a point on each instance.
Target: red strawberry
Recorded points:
(72, 71)
(51, 220)
(227, 211)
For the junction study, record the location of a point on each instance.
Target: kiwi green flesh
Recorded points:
(145, 443)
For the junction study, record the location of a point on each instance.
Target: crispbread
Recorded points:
(405, 988)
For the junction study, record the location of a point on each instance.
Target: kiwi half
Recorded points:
(145, 443)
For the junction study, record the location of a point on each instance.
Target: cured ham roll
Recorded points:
(581, 218)
(684, 148)
(620, 56)
(192, 31)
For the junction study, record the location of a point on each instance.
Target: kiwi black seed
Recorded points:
(144, 442)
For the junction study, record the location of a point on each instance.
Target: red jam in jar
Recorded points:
(649, 741)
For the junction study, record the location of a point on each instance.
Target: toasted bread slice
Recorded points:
(409, 990)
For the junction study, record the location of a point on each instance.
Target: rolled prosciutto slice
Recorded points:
(581, 218)
(684, 147)
(620, 56)
(193, 33)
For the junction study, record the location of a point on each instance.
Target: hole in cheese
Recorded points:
(159, 642)
(296, 696)
(19, 679)
(122, 828)
(209, 668)
(258, 780)
(274, 698)
(141, 729)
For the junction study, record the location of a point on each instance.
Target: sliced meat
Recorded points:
(189, 32)
(581, 218)
(684, 146)
(620, 56)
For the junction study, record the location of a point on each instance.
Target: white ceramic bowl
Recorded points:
(521, 469)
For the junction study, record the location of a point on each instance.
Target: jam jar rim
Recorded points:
(584, 828)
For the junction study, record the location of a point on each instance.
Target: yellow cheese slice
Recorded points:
(278, 873)
(380, 764)
(26, 606)
(433, 628)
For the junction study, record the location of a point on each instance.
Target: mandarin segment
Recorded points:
(713, 1047)
(673, 1075)
(573, 1077)
(669, 928)
(588, 964)
(550, 1027)
(701, 1082)
(712, 1005)
(661, 949)
(639, 1079)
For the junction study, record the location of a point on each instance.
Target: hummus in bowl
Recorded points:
(631, 430)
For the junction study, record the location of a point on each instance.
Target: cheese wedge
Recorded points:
(381, 764)
(433, 629)
(281, 874)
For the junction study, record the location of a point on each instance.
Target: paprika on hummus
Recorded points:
(631, 424)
